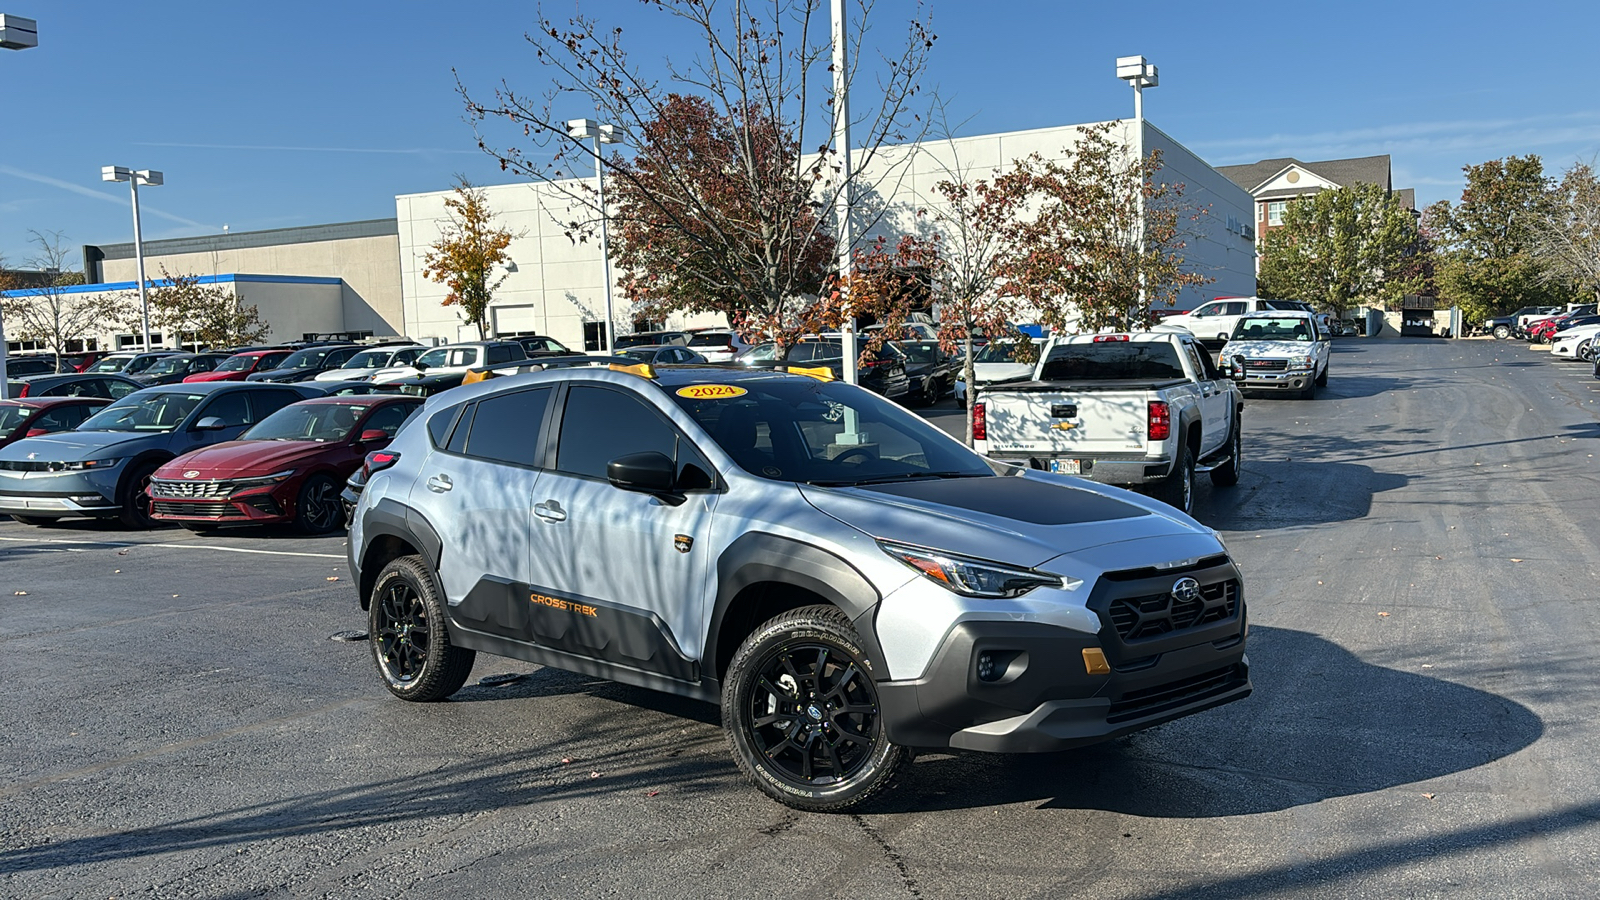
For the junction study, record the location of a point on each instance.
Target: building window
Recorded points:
(136, 341)
(593, 333)
(641, 326)
(1275, 211)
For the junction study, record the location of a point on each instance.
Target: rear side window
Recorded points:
(600, 425)
(500, 354)
(711, 339)
(506, 427)
(1112, 361)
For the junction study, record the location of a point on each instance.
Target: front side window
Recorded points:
(109, 364)
(790, 429)
(272, 361)
(232, 408)
(172, 365)
(12, 417)
(388, 419)
(601, 424)
(239, 363)
(159, 412)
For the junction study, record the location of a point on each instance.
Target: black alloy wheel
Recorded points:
(318, 509)
(409, 641)
(136, 503)
(801, 713)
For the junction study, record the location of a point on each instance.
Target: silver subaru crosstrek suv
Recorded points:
(846, 580)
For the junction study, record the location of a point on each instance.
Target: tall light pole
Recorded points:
(583, 129)
(843, 201)
(134, 179)
(1135, 71)
(16, 33)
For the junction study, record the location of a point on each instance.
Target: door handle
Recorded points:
(439, 484)
(550, 511)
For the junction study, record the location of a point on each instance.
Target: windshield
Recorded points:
(307, 359)
(997, 353)
(169, 366)
(141, 363)
(109, 364)
(921, 351)
(11, 417)
(144, 411)
(789, 429)
(645, 339)
(236, 364)
(320, 422)
(1272, 329)
(369, 359)
(1111, 360)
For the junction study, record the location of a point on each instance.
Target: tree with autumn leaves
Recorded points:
(465, 255)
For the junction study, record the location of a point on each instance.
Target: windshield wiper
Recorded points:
(899, 476)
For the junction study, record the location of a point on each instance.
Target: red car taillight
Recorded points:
(980, 422)
(377, 461)
(1160, 427)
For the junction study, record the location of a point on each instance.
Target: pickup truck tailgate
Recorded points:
(1041, 420)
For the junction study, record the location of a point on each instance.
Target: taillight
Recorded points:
(1160, 427)
(377, 461)
(980, 422)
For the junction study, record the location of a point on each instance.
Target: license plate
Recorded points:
(1066, 466)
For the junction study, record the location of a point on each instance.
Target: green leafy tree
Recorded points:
(464, 257)
(1071, 247)
(208, 315)
(48, 311)
(1340, 248)
(1487, 264)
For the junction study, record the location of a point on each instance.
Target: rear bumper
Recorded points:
(1102, 469)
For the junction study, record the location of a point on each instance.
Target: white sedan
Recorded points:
(1575, 343)
(996, 362)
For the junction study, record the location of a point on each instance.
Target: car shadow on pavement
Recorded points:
(1293, 492)
(1321, 724)
(545, 682)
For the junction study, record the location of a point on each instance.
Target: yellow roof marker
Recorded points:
(643, 370)
(822, 373)
(474, 376)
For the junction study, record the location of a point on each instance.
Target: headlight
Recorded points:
(274, 478)
(87, 465)
(1301, 362)
(972, 577)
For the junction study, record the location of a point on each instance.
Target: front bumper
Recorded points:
(261, 505)
(92, 494)
(1291, 380)
(1035, 693)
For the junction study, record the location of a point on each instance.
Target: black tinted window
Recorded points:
(231, 408)
(1112, 360)
(439, 425)
(506, 427)
(269, 402)
(388, 419)
(458, 438)
(600, 425)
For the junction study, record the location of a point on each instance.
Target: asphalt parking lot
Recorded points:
(1421, 560)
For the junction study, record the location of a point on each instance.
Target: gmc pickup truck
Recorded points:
(1143, 410)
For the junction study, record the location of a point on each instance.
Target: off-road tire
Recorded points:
(1177, 489)
(136, 504)
(1227, 474)
(821, 647)
(36, 521)
(406, 594)
(1501, 332)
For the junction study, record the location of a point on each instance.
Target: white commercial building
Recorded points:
(555, 286)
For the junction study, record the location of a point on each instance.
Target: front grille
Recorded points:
(213, 510)
(1163, 697)
(1155, 615)
(26, 465)
(1267, 365)
(189, 490)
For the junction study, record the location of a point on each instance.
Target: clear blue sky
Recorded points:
(267, 115)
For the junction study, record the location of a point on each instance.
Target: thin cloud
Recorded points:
(99, 195)
(407, 151)
(1423, 137)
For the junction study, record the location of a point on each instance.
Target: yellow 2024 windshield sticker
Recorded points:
(711, 391)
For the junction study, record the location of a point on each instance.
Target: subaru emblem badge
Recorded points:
(1186, 590)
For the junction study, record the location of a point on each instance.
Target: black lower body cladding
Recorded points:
(1013, 687)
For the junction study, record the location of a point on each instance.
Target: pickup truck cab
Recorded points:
(1214, 322)
(1279, 351)
(1146, 410)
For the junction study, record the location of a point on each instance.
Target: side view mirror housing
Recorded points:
(210, 423)
(35, 432)
(374, 436)
(420, 366)
(650, 472)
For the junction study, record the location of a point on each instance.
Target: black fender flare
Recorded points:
(761, 557)
(391, 518)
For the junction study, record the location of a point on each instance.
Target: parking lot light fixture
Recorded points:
(1140, 74)
(134, 178)
(16, 33)
(589, 129)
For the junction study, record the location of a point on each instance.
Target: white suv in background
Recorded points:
(718, 346)
(1213, 322)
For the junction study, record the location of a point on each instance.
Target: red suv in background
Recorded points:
(44, 415)
(289, 467)
(239, 366)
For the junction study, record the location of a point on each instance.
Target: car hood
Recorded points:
(1269, 349)
(1577, 331)
(244, 458)
(203, 377)
(1022, 520)
(73, 446)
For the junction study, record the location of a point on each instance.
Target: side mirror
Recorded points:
(210, 423)
(374, 435)
(35, 432)
(420, 366)
(650, 472)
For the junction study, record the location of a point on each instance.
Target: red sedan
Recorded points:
(43, 415)
(239, 366)
(290, 467)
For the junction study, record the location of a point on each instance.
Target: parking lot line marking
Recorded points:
(175, 547)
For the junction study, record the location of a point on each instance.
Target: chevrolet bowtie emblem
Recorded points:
(1063, 426)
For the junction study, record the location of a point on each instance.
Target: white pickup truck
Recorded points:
(1147, 410)
(1213, 322)
(1279, 351)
